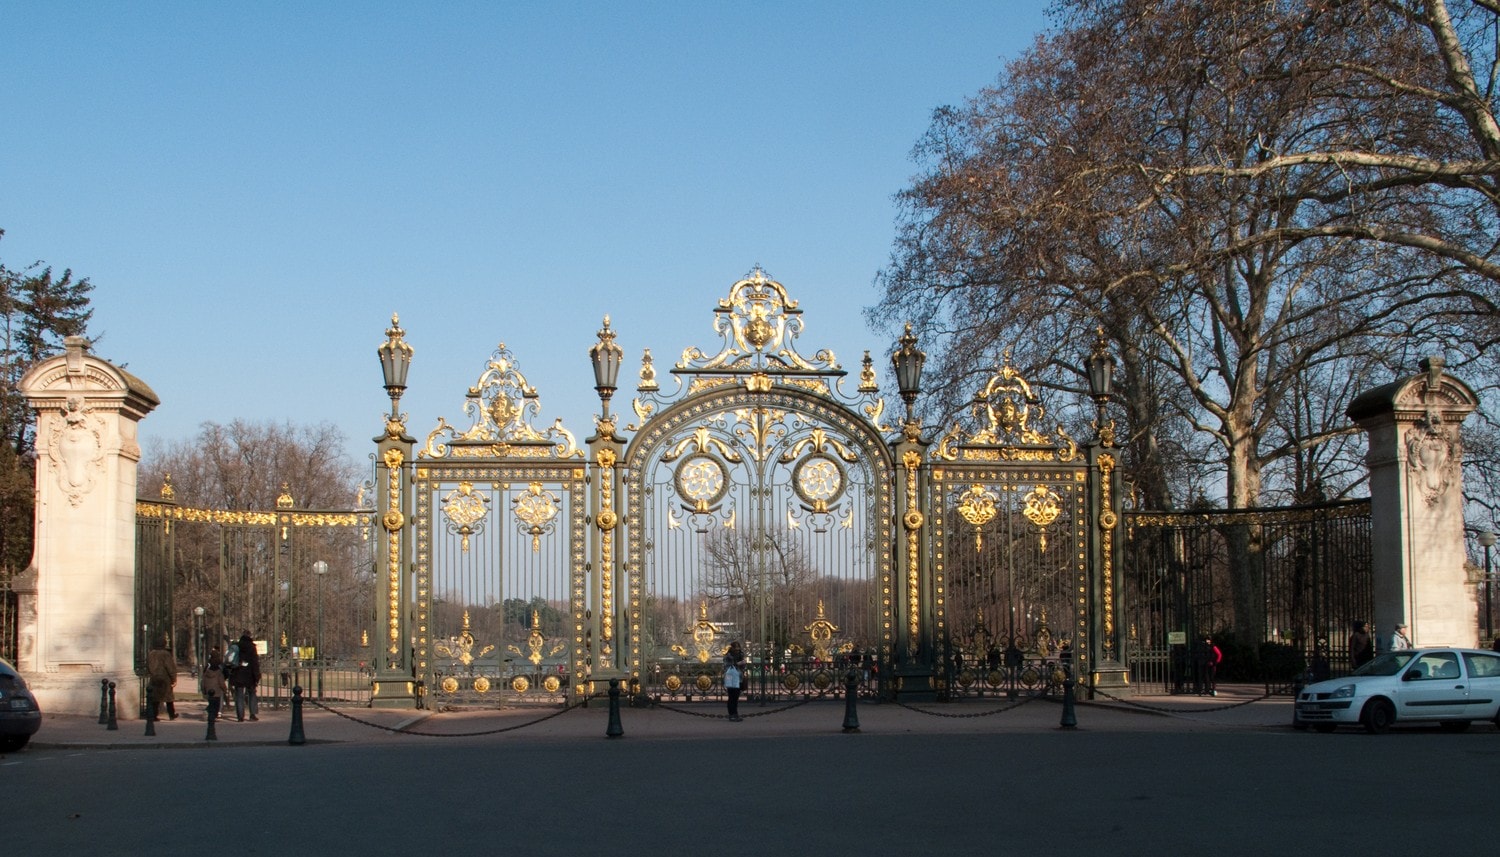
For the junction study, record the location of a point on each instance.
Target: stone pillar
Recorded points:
(81, 627)
(1416, 505)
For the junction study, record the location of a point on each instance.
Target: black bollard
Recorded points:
(114, 725)
(150, 711)
(1069, 719)
(614, 730)
(212, 735)
(103, 701)
(296, 738)
(851, 693)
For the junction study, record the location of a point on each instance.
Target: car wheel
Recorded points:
(1325, 728)
(12, 743)
(1378, 716)
(1454, 725)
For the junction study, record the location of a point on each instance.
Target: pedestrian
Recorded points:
(244, 677)
(161, 671)
(734, 677)
(213, 685)
(1399, 640)
(1361, 646)
(1211, 657)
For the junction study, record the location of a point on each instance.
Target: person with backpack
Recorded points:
(245, 678)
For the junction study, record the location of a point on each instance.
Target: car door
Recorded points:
(1483, 674)
(1433, 688)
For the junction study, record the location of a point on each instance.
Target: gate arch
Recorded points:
(758, 507)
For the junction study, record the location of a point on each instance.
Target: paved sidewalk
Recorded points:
(1237, 707)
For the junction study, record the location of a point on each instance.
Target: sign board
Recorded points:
(1177, 638)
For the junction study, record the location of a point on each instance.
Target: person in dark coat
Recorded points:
(1361, 646)
(245, 678)
(161, 669)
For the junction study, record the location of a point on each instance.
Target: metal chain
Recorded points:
(397, 731)
(1012, 707)
(1179, 712)
(676, 710)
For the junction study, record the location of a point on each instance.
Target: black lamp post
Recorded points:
(198, 653)
(1487, 541)
(606, 356)
(320, 568)
(907, 361)
(1101, 366)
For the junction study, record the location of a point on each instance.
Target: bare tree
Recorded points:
(1244, 204)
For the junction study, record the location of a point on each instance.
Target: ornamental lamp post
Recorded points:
(606, 356)
(1487, 541)
(907, 361)
(320, 568)
(1101, 366)
(395, 359)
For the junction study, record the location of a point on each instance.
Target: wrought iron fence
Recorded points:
(1303, 576)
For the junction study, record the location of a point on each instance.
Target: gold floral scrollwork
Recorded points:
(705, 682)
(977, 506)
(1042, 508)
(535, 508)
(551, 684)
(520, 684)
(482, 684)
(673, 683)
(821, 632)
(465, 510)
(450, 684)
(392, 520)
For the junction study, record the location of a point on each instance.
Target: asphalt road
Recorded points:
(1087, 791)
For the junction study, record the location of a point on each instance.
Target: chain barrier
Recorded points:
(674, 709)
(510, 728)
(1029, 698)
(1177, 712)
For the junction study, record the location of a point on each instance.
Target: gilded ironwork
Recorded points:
(912, 460)
(393, 522)
(821, 631)
(461, 648)
(977, 506)
(501, 406)
(705, 639)
(1007, 410)
(1042, 508)
(536, 643)
(536, 509)
(465, 510)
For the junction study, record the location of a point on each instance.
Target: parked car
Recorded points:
(20, 716)
(1451, 687)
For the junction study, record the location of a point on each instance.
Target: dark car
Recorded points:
(20, 716)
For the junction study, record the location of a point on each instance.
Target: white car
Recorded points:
(1451, 687)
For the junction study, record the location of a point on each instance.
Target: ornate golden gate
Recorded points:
(760, 499)
(757, 506)
(1022, 524)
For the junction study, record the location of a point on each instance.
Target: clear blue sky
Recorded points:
(253, 189)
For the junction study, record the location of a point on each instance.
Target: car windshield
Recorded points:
(1386, 664)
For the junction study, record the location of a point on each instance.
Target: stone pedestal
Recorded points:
(79, 624)
(1416, 506)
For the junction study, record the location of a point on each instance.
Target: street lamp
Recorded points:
(320, 568)
(907, 361)
(1487, 541)
(1101, 366)
(395, 359)
(606, 357)
(200, 655)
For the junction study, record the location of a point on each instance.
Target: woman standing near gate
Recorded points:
(734, 678)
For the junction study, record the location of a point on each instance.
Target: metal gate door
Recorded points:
(499, 546)
(759, 503)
